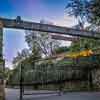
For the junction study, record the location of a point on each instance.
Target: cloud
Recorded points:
(67, 21)
(8, 64)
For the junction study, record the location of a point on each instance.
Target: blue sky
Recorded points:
(32, 10)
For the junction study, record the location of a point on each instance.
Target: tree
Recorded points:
(20, 55)
(83, 11)
(79, 9)
(42, 41)
(95, 12)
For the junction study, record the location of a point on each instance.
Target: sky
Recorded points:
(31, 10)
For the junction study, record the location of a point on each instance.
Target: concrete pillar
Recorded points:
(2, 92)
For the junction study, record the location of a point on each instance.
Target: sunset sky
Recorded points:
(32, 10)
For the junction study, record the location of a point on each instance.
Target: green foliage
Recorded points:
(95, 12)
(84, 43)
(61, 50)
(65, 62)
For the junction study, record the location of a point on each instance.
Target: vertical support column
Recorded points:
(21, 81)
(2, 65)
(90, 81)
(21, 92)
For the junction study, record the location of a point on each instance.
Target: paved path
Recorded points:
(13, 94)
